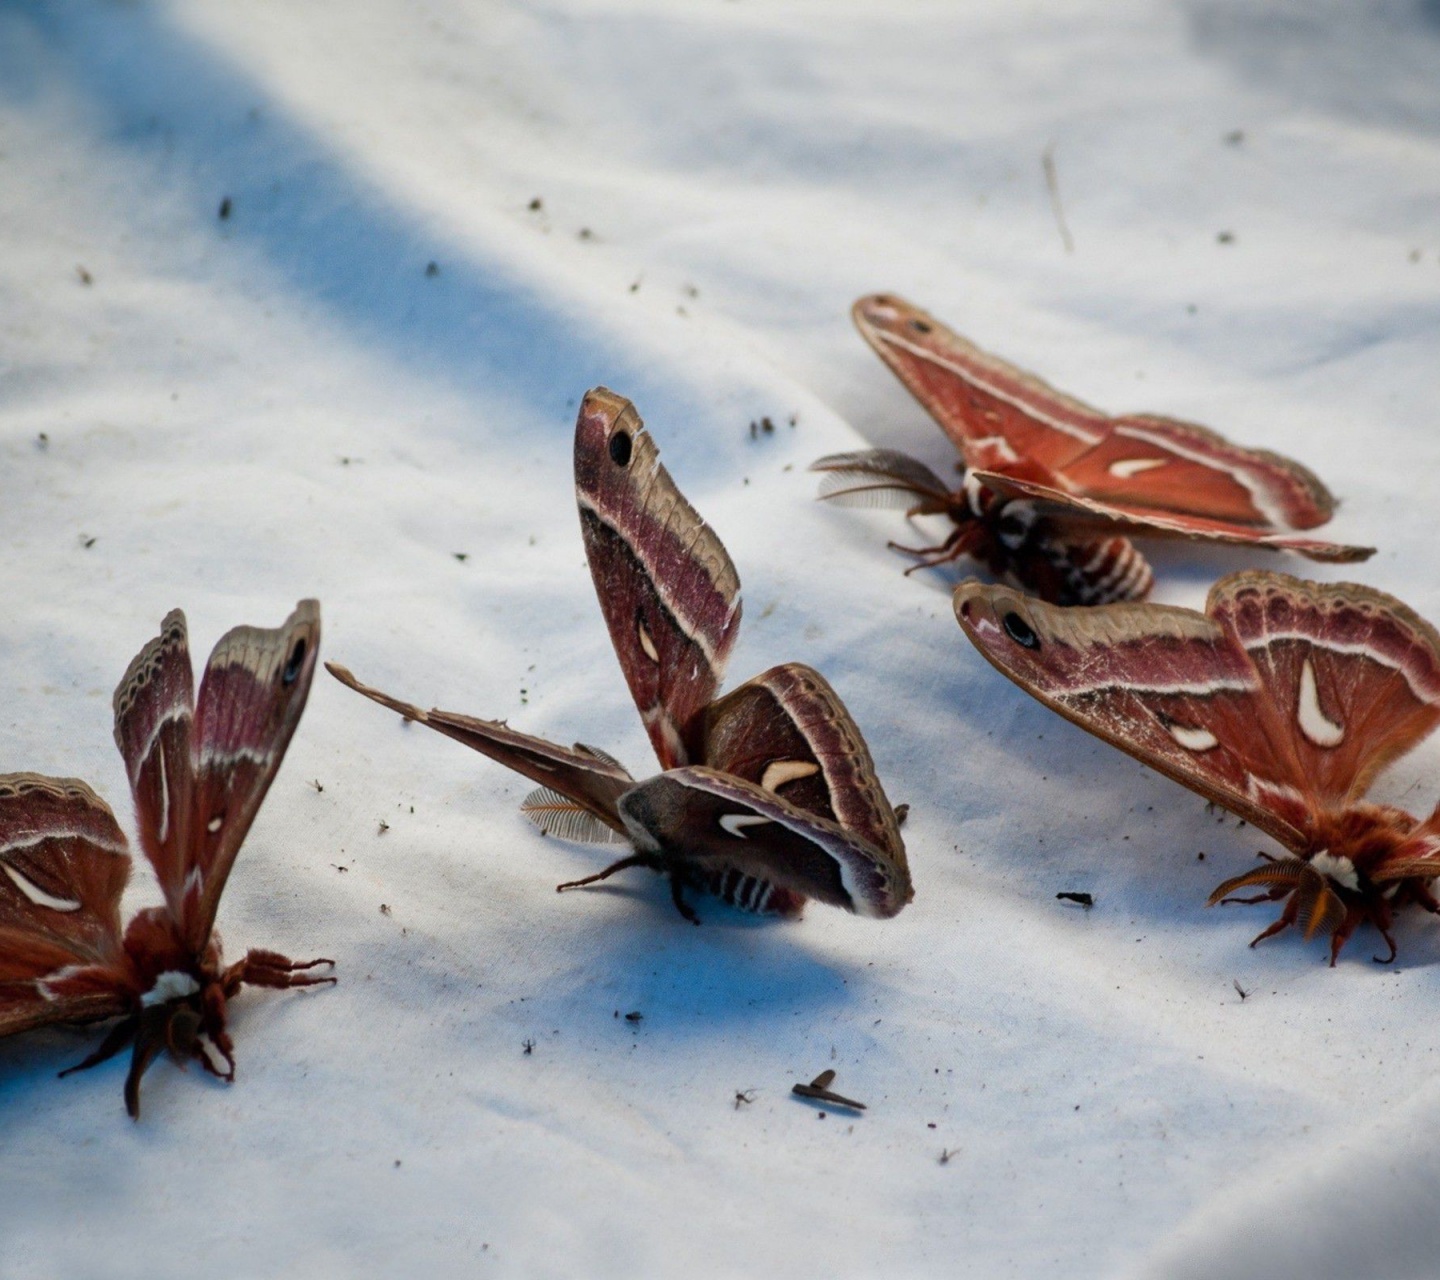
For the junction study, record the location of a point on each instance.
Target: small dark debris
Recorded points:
(85, 276)
(384, 908)
(384, 827)
(1086, 900)
(1235, 137)
(1239, 990)
(461, 556)
(634, 1016)
(635, 287)
(528, 1046)
(948, 1153)
(743, 1097)
(690, 291)
(536, 205)
(767, 426)
(432, 269)
(1414, 257)
(1200, 857)
(930, 1124)
(1225, 237)
(86, 541)
(585, 234)
(317, 784)
(397, 1164)
(819, 1090)
(794, 418)
(226, 205)
(42, 441)
(339, 868)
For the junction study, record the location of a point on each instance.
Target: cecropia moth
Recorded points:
(198, 771)
(1053, 489)
(1280, 702)
(768, 795)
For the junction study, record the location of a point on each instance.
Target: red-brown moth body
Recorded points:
(1281, 702)
(768, 795)
(1052, 489)
(198, 771)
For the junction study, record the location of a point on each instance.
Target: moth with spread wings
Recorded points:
(1052, 488)
(1281, 702)
(768, 795)
(198, 772)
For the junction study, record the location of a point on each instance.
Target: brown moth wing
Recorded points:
(996, 414)
(591, 779)
(703, 818)
(154, 713)
(1353, 672)
(63, 867)
(667, 588)
(1172, 687)
(978, 399)
(251, 698)
(1147, 460)
(1123, 515)
(787, 732)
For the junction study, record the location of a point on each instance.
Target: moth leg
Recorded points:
(1421, 893)
(261, 968)
(1283, 923)
(115, 1039)
(1389, 942)
(152, 1033)
(1347, 926)
(678, 898)
(635, 860)
(955, 546)
(1259, 897)
(1382, 918)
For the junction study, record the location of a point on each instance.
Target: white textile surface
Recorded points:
(680, 199)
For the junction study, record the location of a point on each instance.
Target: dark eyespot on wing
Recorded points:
(620, 448)
(295, 663)
(920, 326)
(1020, 631)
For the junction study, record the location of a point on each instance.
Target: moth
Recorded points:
(1281, 702)
(198, 771)
(1051, 489)
(768, 795)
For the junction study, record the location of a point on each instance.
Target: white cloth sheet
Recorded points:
(681, 200)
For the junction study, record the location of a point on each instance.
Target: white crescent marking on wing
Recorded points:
(210, 755)
(1335, 646)
(1128, 467)
(36, 894)
(1193, 737)
(734, 822)
(178, 711)
(1314, 724)
(647, 644)
(779, 772)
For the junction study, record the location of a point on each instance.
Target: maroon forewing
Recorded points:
(1171, 686)
(1353, 673)
(591, 780)
(667, 588)
(154, 711)
(990, 409)
(787, 732)
(999, 416)
(707, 819)
(251, 698)
(63, 867)
(1123, 515)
